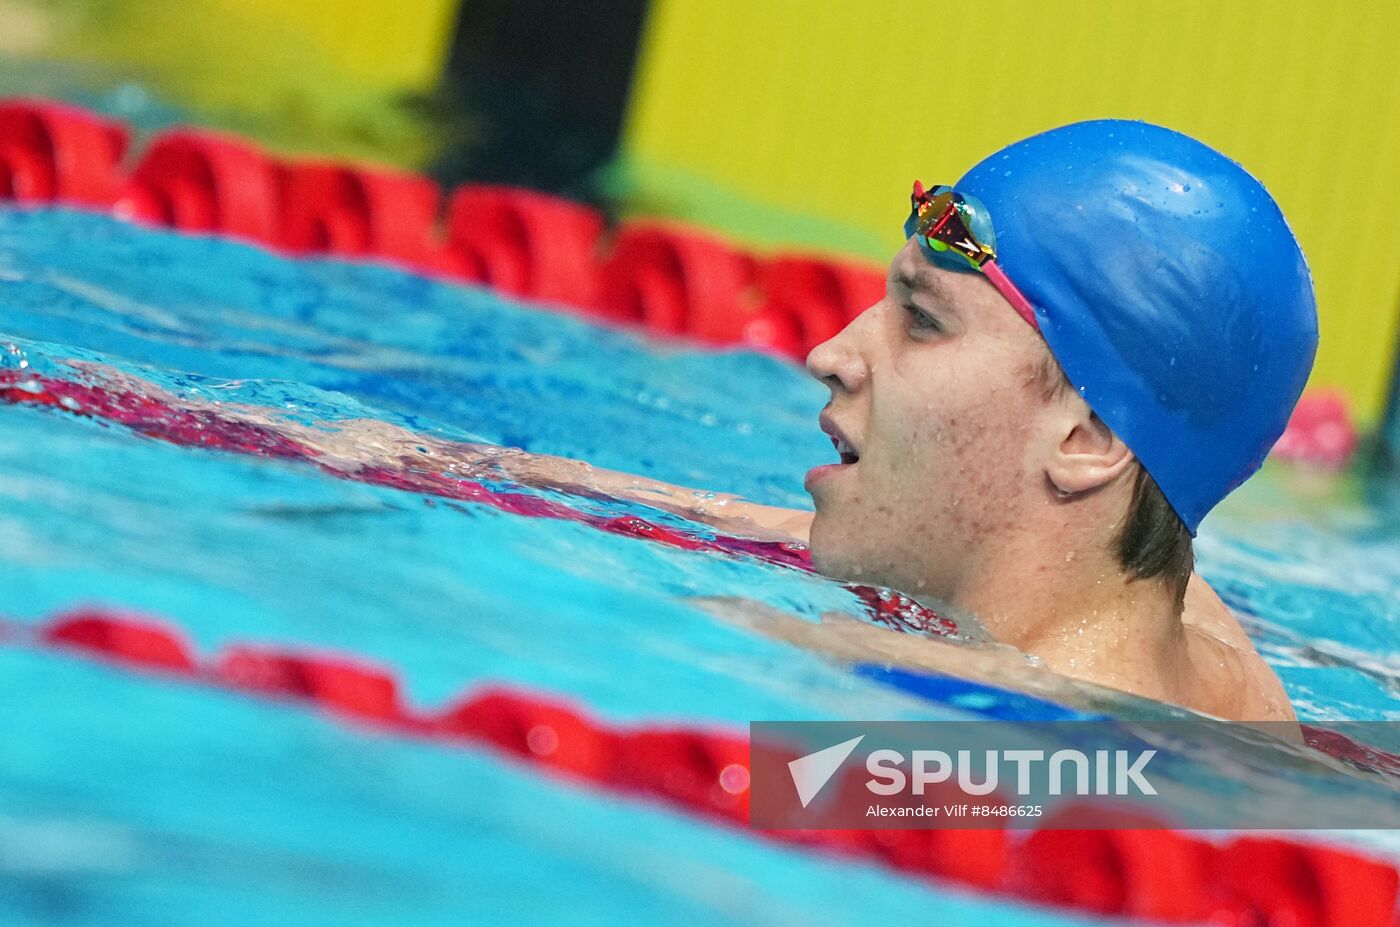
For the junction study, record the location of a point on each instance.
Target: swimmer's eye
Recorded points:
(920, 320)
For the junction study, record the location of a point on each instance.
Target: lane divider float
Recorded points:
(668, 278)
(1152, 872)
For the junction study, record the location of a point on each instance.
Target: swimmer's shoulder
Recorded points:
(1234, 681)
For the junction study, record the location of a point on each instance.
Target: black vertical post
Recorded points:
(543, 87)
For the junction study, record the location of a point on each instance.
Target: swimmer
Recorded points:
(1084, 345)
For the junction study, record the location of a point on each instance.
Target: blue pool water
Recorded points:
(133, 799)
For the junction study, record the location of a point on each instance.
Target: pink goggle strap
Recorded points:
(1008, 289)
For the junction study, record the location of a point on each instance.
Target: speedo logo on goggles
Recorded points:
(943, 222)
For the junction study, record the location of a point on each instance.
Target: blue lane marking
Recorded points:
(985, 700)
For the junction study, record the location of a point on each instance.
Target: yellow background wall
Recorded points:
(398, 44)
(752, 114)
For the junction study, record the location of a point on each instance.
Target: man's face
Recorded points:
(937, 389)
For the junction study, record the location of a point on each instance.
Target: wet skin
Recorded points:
(937, 389)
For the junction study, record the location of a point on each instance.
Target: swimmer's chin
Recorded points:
(824, 547)
(820, 549)
(829, 562)
(835, 549)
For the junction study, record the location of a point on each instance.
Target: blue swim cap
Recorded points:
(1168, 287)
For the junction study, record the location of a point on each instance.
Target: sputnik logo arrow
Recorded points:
(812, 772)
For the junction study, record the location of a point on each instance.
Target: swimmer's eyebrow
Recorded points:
(925, 280)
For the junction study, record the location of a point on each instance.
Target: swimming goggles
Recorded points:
(943, 221)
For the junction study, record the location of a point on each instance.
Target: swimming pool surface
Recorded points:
(132, 799)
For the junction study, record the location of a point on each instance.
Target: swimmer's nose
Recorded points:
(838, 364)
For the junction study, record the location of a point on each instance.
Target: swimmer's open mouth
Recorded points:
(844, 446)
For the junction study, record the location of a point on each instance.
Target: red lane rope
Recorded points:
(669, 279)
(666, 278)
(1150, 873)
(203, 428)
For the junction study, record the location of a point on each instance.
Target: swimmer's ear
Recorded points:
(1089, 454)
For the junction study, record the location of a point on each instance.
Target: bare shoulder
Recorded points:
(849, 640)
(1233, 680)
(1206, 612)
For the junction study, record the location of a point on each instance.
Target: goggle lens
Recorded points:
(954, 231)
